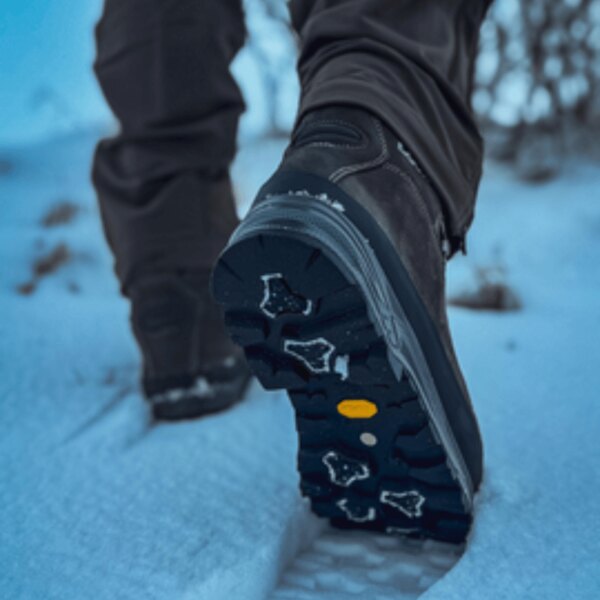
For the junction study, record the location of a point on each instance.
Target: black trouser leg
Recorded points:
(411, 63)
(163, 181)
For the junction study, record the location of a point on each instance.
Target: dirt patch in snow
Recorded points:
(491, 292)
(62, 213)
(45, 265)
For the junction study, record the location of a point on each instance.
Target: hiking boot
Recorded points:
(334, 286)
(190, 366)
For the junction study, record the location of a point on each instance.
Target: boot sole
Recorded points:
(204, 399)
(307, 298)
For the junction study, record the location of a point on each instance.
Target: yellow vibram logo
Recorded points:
(357, 409)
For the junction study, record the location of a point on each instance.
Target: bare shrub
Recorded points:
(491, 292)
(537, 82)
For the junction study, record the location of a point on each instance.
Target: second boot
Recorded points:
(334, 285)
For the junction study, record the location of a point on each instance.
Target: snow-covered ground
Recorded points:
(95, 502)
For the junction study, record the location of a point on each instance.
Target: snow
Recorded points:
(47, 86)
(98, 503)
(46, 52)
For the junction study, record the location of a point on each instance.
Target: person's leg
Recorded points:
(411, 63)
(163, 180)
(163, 183)
(334, 281)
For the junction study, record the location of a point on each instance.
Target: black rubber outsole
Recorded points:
(369, 455)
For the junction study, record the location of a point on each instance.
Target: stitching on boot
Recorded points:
(360, 146)
(354, 168)
(412, 161)
(434, 219)
(398, 171)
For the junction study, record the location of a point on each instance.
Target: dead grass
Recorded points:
(45, 265)
(60, 214)
(490, 293)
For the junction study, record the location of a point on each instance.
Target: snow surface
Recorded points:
(97, 503)
(47, 86)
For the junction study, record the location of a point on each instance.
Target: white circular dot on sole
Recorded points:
(368, 439)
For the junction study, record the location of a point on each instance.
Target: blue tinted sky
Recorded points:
(46, 82)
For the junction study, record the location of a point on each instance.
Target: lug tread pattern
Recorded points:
(410, 489)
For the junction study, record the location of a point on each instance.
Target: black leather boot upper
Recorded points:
(357, 152)
(190, 366)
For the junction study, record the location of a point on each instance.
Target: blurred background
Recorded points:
(538, 76)
(97, 502)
